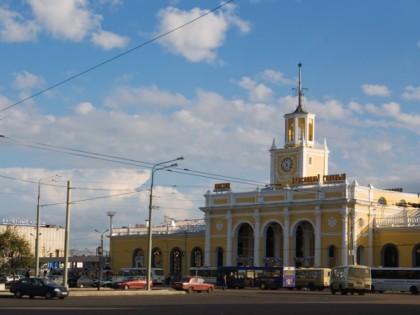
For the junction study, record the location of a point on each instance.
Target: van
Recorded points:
(350, 279)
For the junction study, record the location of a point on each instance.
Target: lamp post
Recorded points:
(155, 168)
(110, 214)
(38, 222)
(100, 251)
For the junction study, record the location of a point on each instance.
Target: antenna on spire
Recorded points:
(300, 90)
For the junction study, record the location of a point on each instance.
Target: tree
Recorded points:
(15, 251)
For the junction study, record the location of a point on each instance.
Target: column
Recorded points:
(344, 236)
(370, 237)
(207, 241)
(286, 238)
(317, 251)
(257, 220)
(229, 239)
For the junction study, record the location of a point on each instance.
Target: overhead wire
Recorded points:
(115, 57)
(132, 162)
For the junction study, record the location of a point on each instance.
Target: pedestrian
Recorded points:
(28, 274)
(224, 282)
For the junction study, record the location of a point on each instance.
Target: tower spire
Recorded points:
(300, 108)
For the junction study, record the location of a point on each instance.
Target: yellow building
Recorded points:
(305, 217)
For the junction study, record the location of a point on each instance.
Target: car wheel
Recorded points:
(209, 290)
(126, 287)
(48, 295)
(18, 294)
(190, 290)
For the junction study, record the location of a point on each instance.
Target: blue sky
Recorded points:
(214, 91)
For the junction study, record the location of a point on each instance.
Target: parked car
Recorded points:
(72, 281)
(106, 282)
(9, 279)
(38, 287)
(193, 283)
(85, 282)
(131, 283)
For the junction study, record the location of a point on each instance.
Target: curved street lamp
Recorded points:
(155, 168)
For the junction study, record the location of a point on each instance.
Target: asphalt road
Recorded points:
(243, 302)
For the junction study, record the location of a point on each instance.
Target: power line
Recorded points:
(127, 161)
(116, 57)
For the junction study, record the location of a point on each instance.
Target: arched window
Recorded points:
(382, 201)
(176, 262)
(361, 255)
(416, 255)
(390, 256)
(138, 258)
(196, 257)
(156, 258)
(332, 253)
(219, 257)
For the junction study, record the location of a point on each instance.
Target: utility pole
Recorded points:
(67, 238)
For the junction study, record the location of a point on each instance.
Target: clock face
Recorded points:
(286, 165)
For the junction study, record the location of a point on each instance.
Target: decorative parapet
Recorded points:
(173, 227)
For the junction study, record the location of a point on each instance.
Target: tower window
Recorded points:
(310, 160)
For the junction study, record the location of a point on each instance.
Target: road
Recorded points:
(244, 302)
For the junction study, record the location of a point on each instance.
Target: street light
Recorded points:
(100, 251)
(38, 219)
(155, 168)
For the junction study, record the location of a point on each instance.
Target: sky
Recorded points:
(93, 94)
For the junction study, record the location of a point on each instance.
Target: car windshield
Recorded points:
(185, 279)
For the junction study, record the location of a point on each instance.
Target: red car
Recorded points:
(193, 283)
(131, 283)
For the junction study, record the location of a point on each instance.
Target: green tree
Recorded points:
(15, 251)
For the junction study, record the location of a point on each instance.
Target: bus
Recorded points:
(351, 278)
(313, 278)
(208, 273)
(259, 277)
(156, 274)
(395, 279)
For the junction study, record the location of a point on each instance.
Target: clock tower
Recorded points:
(301, 156)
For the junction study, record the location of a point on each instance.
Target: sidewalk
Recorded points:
(112, 292)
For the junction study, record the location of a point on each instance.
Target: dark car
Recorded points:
(106, 282)
(72, 281)
(85, 282)
(38, 287)
(195, 283)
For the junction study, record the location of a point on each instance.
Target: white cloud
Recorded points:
(27, 81)
(412, 93)
(84, 108)
(108, 40)
(257, 91)
(69, 19)
(143, 98)
(65, 20)
(356, 107)
(196, 42)
(276, 77)
(13, 27)
(375, 90)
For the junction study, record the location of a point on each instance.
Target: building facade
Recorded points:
(51, 237)
(304, 217)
